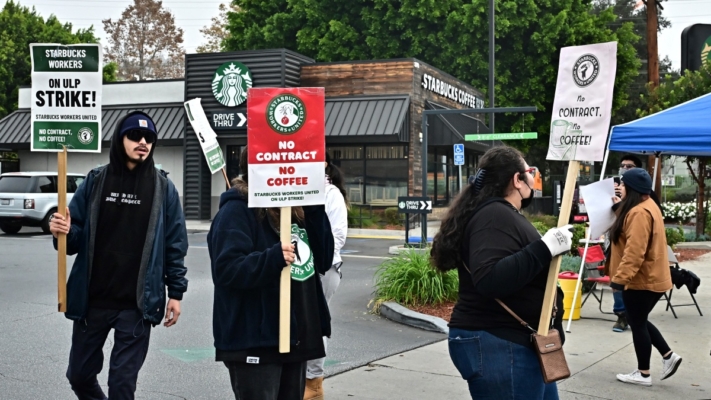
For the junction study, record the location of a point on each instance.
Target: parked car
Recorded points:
(29, 198)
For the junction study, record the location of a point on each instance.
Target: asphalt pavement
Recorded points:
(35, 338)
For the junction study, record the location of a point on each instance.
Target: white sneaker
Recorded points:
(670, 366)
(635, 378)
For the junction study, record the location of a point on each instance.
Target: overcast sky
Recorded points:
(191, 15)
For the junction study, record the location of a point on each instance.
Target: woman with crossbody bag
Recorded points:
(499, 256)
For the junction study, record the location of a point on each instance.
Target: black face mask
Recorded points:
(525, 202)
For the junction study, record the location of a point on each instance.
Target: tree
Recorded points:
(145, 42)
(20, 26)
(216, 33)
(110, 72)
(451, 35)
(669, 93)
(625, 12)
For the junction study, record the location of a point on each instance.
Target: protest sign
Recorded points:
(579, 126)
(286, 146)
(206, 136)
(66, 97)
(583, 102)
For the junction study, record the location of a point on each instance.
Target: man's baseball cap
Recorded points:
(138, 121)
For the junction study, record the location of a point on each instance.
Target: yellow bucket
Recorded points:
(567, 284)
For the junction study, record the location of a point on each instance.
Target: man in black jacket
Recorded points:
(127, 228)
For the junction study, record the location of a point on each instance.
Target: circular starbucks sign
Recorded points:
(303, 266)
(706, 52)
(286, 114)
(230, 83)
(85, 135)
(585, 70)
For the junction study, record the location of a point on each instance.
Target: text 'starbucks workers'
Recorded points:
(66, 97)
(207, 137)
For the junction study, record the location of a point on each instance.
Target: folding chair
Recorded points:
(674, 263)
(594, 265)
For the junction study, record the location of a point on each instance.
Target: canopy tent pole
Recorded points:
(656, 166)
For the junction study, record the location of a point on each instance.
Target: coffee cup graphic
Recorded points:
(558, 147)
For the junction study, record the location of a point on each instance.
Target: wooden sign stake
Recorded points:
(285, 284)
(224, 174)
(563, 218)
(62, 238)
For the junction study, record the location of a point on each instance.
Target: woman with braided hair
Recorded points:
(499, 255)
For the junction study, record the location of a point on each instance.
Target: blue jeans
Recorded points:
(619, 306)
(497, 369)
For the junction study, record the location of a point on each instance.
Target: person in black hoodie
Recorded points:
(499, 255)
(127, 227)
(247, 258)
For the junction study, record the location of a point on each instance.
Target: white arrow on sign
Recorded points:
(425, 205)
(242, 119)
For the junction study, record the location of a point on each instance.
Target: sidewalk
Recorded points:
(595, 355)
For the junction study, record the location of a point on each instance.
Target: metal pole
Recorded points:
(491, 61)
(423, 242)
(459, 182)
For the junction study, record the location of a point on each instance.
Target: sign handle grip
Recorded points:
(551, 282)
(285, 284)
(62, 238)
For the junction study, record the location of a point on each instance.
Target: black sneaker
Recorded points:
(621, 324)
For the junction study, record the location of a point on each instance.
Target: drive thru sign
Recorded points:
(287, 146)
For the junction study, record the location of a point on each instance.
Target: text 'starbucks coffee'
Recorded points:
(286, 145)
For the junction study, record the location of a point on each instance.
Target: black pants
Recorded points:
(86, 359)
(639, 303)
(267, 381)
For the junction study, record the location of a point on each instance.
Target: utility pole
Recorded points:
(653, 77)
(492, 11)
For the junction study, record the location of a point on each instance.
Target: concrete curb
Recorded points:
(395, 312)
(694, 245)
(402, 249)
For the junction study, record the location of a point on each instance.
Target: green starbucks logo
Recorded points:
(706, 52)
(286, 114)
(85, 135)
(303, 266)
(230, 84)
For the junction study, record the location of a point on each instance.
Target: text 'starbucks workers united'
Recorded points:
(66, 97)
(303, 266)
(286, 114)
(230, 83)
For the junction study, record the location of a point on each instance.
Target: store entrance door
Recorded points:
(232, 161)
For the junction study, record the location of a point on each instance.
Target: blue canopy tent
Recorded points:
(683, 130)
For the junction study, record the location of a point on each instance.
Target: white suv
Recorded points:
(29, 198)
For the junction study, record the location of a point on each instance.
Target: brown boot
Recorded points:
(314, 389)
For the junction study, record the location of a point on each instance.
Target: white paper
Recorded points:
(206, 136)
(583, 101)
(598, 201)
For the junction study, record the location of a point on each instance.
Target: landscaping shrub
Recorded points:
(409, 279)
(578, 233)
(548, 220)
(541, 227)
(674, 236)
(392, 217)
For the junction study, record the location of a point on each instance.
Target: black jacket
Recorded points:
(247, 260)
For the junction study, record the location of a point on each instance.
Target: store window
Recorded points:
(375, 175)
(443, 181)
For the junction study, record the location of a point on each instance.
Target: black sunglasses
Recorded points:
(136, 135)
